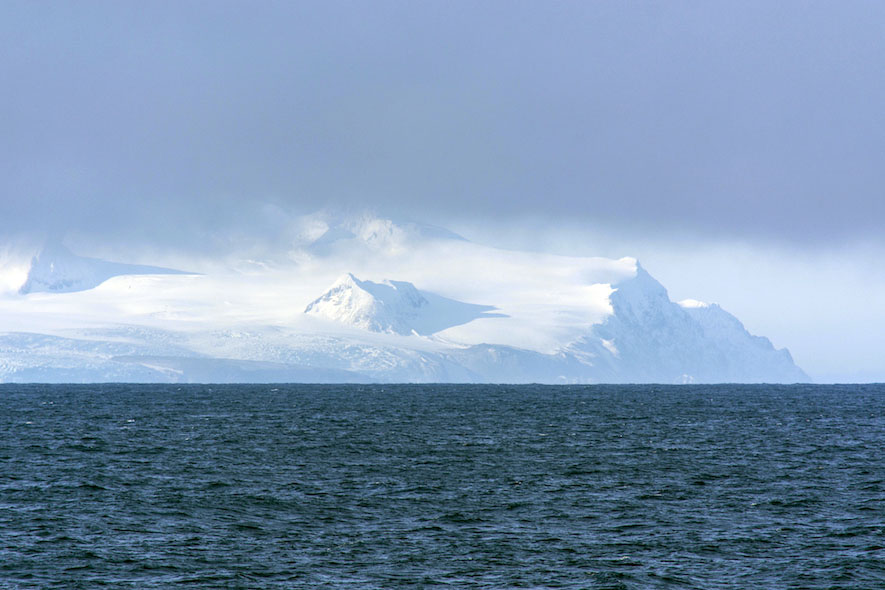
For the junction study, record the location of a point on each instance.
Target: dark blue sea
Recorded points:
(302, 486)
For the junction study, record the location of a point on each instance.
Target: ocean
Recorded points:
(449, 486)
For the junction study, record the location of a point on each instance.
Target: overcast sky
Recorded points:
(743, 119)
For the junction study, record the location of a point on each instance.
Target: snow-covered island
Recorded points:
(361, 298)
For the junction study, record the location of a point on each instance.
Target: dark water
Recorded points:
(431, 486)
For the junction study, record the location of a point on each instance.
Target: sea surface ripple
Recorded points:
(300, 486)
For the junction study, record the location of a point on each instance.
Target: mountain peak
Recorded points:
(393, 307)
(655, 339)
(388, 306)
(55, 269)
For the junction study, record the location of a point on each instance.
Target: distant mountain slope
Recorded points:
(55, 269)
(28, 358)
(738, 349)
(554, 319)
(395, 307)
(326, 232)
(649, 338)
(220, 370)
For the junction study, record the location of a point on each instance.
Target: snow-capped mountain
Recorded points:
(55, 269)
(391, 306)
(394, 307)
(536, 317)
(651, 338)
(737, 349)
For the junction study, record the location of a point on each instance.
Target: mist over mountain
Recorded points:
(362, 297)
(735, 149)
(55, 269)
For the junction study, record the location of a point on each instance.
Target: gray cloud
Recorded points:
(169, 120)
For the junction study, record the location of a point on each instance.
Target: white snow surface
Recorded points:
(389, 306)
(366, 298)
(693, 304)
(394, 307)
(55, 269)
(660, 341)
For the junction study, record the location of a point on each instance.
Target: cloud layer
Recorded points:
(752, 120)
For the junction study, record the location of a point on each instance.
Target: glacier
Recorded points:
(55, 269)
(362, 298)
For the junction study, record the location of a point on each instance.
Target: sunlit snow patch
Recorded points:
(395, 307)
(693, 304)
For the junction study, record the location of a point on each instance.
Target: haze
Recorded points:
(735, 149)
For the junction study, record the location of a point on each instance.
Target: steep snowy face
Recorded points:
(390, 306)
(568, 318)
(739, 349)
(651, 338)
(55, 269)
(394, 307)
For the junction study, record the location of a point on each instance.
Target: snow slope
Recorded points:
(55, 269)
(548, 318)
(652, 339)
(395, 307)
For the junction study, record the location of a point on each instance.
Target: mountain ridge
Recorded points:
(55, 269)
(393, 307)
(544, 318)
